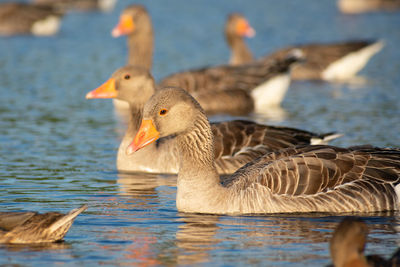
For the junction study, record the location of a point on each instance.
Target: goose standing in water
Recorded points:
(235, 89)
(235, 142)
(348, 243)
(339, 61)
(301, 179)
(32, 227)
(24, 18)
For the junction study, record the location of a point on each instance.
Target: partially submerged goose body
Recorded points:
(339, 61)
(24, 18)
(32, 227)
(300, 179)
(235, 142)
(220, 89)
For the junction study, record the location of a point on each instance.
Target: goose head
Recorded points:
(169, 112)
(133, 84)
(133, 20)
(237, 25)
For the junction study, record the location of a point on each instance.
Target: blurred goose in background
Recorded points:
(82, 5)
(362, 6)
(348, 243)
(243, 89)
(236, 28)
(32, 227)
(339, 61)
(235, 142)
(301, 179)
(23, 18)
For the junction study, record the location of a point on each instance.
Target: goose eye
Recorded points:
(163, 112)
(127, 77)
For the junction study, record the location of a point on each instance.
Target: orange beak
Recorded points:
(124, 27)
(106, 90)
(243, 28)
(146, 135)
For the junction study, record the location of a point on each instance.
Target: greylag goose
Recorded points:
(236, 142)
(237, 27)
(348, 243)
(23, 18)
(234, 88)
(316, 178)
(362, 6)
(135, 23)
(32, 227)
(330, 61)
(82, 5)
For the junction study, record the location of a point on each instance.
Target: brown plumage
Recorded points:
(236, 142)
(220, 89)
(23, 18)
(362, 6)
(300, 179)
(230, 89)
(348, 243)
(82, 5)
(318, 56)
(32, 227)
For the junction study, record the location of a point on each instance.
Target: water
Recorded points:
(57, 150)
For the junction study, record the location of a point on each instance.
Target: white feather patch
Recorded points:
(271, 92)
(349, 65)
(48, 26)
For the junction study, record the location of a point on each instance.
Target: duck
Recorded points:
(363, 6)
(236, 142)
(81, 5)
(34, 228)
(237, 90)
(335, 61)
(348, 243)
(26, 18)
(310, 178)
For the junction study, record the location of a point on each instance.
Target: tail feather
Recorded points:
(68, 218)
(324, 139)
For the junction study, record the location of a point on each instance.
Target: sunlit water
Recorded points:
(57, 150)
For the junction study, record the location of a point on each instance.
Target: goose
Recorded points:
(82, 5)
(308, 178)
(362, 6)
(32, 227)
(237, 27)
(236, 90)
(236, 142)
(24, 18)
(348, 243)
(337, 61)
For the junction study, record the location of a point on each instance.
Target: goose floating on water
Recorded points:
(338, 61)
(235, 142)
(301, 179)
(25, 18)
(32, 227)
(243, 89)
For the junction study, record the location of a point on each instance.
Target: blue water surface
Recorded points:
(58, 150)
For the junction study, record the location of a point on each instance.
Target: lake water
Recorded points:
(57, 149)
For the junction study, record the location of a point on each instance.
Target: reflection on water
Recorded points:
(273, 239)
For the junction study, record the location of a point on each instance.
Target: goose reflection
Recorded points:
(199, 235)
